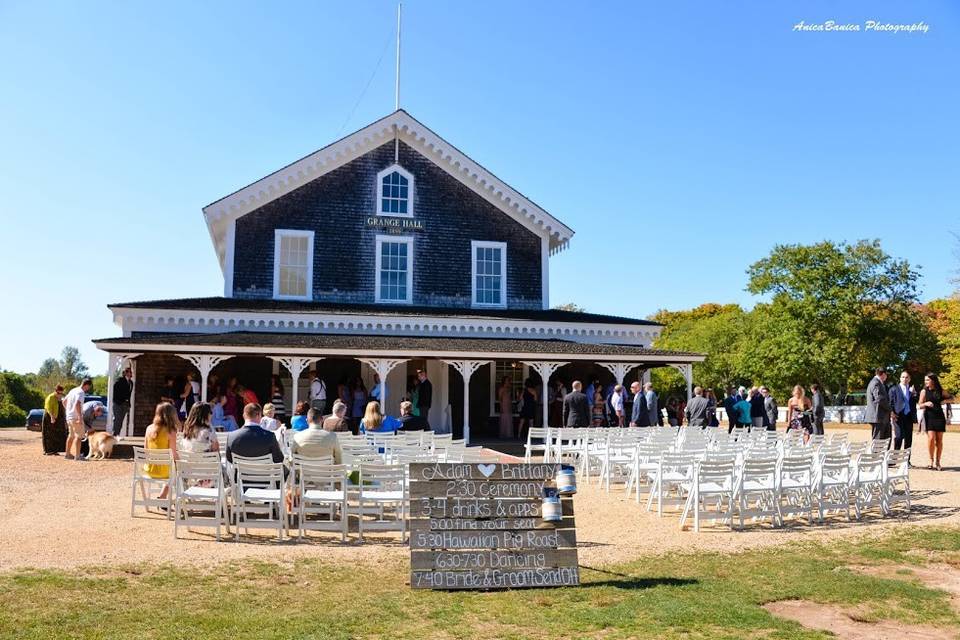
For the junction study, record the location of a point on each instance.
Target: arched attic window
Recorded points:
(395, 192)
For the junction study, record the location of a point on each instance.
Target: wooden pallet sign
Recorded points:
(480, 526)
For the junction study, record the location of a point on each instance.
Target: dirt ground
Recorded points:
(60, 514)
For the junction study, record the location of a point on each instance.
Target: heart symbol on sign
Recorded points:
(487, 469)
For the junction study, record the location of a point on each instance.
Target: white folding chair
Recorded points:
(260, 501)
(201, 495)
(879, 445)
(868, 486)
(713, 483)
(674, 476)
(540, 446)
(382, 492)
(150, 488)
(757, 492)
(833, 484)
(897, 476)
(322, 492)
(796, 486)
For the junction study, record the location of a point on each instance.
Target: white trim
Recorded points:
(279, 234)
(545, 272)
(406, 174)
(228, 260)
(408, 240)
(413, 133)
(205, 321)
(409, 354)
(478, 244)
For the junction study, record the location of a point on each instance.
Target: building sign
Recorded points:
(390, 224)
(480, 526)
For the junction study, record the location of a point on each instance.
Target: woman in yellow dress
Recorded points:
(162, 434)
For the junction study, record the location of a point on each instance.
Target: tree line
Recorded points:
(19, 393)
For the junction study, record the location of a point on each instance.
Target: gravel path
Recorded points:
(57, 513)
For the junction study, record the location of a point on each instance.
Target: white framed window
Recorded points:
(293, 264)
(489, 273)
(394, 277)
(395, 192)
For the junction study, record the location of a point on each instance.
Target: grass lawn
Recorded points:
(695, 595)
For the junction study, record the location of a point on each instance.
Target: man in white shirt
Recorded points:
(76, 430)
(318, 393)
(616, 401)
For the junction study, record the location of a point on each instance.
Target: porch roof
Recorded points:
(320, 344)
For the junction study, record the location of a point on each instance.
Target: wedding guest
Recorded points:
(315, 441)
(616, 400)
(197, 436)
(505, 398)
(53, 432)
(276, 399)
(162, 434)
(299, 420)
(269, 421)
(931, 400)
(375, 421)
(337, 421)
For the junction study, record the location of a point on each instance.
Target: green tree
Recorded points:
(68, 369)
(570, 306)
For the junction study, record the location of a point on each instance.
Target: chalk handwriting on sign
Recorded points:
(480, 526)
(395, 224)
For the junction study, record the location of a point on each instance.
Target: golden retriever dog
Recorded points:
(101, 445)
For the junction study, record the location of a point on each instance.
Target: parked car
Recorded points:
(34, 419)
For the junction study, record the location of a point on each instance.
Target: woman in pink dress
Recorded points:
(505, 398)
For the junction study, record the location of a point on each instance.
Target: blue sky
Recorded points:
(680, 140)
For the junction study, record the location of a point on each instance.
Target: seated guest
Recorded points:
(197, 434)
(252, 440)
(268, 421)
(375, 422)
(315, 441)
(299, 420)
(219, 418)
(162, 434)
(410, 422)
(338, 421)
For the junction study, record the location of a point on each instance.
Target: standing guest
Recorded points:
(729, 402)
(122, 391)
(742, 409)
(877, 413)
(197, 433)
(375, 422)
(596, 409)
(248, 395)
(696, 411)
(770, 409)
(269, 420)
(162, 434)
(757, 413)
(318, 393)
(424, 395)
(935, 421)
(251, 440)
(276, 399)
(232, 405)
(53, 431)
(819, 408)
(221, 419)
(653, 406)
(711, 408)
(413, 394)
(91, 411)
(673, 411)
(343, 392)
(639, 413)
(528, 407)
(315, 441)
(505, 399)
(616, 400)
(358, 397)
(556, 404)
(337, 421)
(375, 390)
(168, 393)
(188, 395)
(903, 401)
(798, 407)
(74, 409)
(410, 422)
(576, 411)
(299, 420)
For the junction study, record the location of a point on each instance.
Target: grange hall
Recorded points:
(386, 252)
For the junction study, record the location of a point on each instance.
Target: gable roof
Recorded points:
(221, 214)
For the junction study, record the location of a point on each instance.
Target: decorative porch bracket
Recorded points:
(545, 369)
(114, 361)
(205, 364)
(295, 365)
(619, 369)
(466, 369)
(687, 371)
(382, 367)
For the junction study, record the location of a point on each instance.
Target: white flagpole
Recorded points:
(397, 101)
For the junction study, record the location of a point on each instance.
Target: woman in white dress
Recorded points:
(197, 436)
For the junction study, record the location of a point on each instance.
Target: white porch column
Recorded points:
(295, 365)
(687, 371)
(466, 368)
(545, 369)
(205, 364)
(383, 367)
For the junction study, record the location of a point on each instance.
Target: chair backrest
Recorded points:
(222, 439)
(870, 465)
(259, 474)
(759, 468)
(193, 472)
(793, 465)
(719, 470)
(316, 475)
(264, 459)
(202, 456)
(382, 477)
(300, 460)
(835, 468)
(142, 456)
(837, 436)
(879, 445)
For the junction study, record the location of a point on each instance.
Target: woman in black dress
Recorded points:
(931, 399)
(529, 407)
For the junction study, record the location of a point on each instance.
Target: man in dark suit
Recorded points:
(903, 401)
(252, 440)
(877, 413)
(728, 407)
(770, 409)
(409, 421)
(819, 411)
(696, 411)
(122, 390)
(640, 415)
(758, 413)
(424, 395)
(576, 411)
